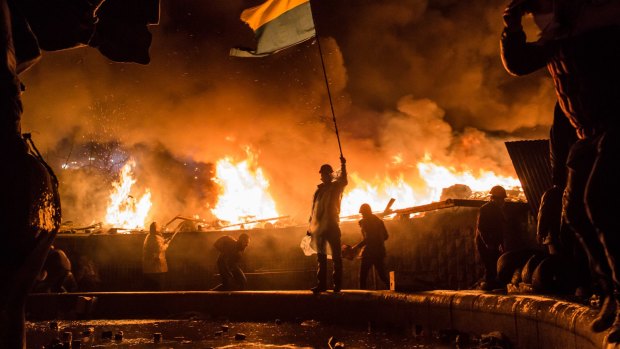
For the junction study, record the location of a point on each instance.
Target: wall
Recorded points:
(433, 251)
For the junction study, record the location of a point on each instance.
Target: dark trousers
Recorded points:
(590, 183)
(332, 238)
(489, 257)
(368, 262)
(231, 274)
(601, 192)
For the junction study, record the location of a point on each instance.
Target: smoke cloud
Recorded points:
(408, 78)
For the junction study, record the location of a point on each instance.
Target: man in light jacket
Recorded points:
(154, 265)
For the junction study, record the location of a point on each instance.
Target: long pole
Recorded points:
(329, 94)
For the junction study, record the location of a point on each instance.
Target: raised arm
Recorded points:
(343, 172)
(518, 56)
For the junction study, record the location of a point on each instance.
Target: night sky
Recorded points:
(409, 78)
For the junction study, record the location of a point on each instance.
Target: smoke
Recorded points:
(408, 79)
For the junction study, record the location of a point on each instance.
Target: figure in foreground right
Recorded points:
(580, 45)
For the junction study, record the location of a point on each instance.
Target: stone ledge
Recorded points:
(531, 322)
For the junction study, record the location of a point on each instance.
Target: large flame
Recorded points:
(244, 191)
(434, 179)
(124, 211)
(376, 194)
(438, 177)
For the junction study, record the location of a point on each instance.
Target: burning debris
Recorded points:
(244, 199)
(244, 196)
(124, 210)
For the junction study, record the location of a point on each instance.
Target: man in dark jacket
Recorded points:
(490, 235)
(231, 251)
(580, 45)
(374, 235)
(324, 223)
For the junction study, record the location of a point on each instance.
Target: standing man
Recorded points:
(324, 222)
(580, 46)
(490, 231)
(231, 251)
(374, 235)
(154, 264)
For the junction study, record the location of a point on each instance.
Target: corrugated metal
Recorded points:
(531, 162)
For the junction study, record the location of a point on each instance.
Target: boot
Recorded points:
(318, 289)
(606, 315)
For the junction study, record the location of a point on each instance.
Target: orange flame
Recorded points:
(124, 211)
(376, 195)
(438, 177)
(434, 177)
(245, 191)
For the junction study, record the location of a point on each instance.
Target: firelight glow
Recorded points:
(244, 192)
(376, 194)
(439, 177)
(434, 177)
(124, 211)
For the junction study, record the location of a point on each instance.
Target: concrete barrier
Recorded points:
(531, 322)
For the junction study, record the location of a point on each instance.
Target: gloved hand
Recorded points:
(513, 14)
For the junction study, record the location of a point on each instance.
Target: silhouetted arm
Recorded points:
(342, 179)
(518, 56)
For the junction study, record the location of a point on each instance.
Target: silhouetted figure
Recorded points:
(374, 235)
(490, 231)
(580, 45)
(29, 200)
(154, 263)
(231, 251)
(324, 223)
(552, 231)
(87, 275)
(56, 276)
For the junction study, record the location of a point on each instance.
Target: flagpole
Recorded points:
(329, 94)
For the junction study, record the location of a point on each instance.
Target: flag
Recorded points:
(277, 24)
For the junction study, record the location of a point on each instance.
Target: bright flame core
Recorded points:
(124, 211)
(439, 177)
(434, 179)
(376, 195)
(244, 192)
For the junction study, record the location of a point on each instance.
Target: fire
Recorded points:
(439, 177)
(244, 191)
(434, 178)
(377, 195)
(124, 210)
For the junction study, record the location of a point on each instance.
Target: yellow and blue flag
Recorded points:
(277, 24)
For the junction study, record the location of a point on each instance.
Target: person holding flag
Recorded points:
(324, 223)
